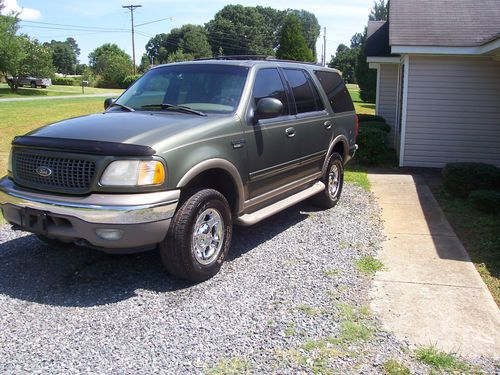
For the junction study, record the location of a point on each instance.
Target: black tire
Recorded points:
(33, 85)
(178, 250)
(328, 198)
(43, 87)
(52, 242)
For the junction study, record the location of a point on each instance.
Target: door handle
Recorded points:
(328, 125)
(290, 132)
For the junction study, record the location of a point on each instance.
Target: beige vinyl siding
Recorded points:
(388, 96)
(453, 112)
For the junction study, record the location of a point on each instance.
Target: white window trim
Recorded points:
(383, 60)
(434, 50)
(402, 141)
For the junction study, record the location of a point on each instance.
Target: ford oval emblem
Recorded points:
(44, 171)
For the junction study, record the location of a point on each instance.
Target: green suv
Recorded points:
(186, 152)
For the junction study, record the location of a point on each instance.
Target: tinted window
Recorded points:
(306, 96)
(268, 84)
(336, 91)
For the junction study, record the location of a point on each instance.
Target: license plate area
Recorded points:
(34, 221)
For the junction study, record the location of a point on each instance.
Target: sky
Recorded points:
(95, 22)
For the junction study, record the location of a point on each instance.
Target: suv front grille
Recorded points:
(47, 172)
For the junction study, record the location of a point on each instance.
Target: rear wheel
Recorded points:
(33, 85)
(333, 180)
(199, 236)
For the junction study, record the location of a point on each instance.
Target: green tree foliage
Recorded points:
(179, 56)
(240, 30)
(309, 26)
(380, 11)
(10, 52)
(189, 38)
(145, 63)
(74, 46)
(292, 43)
(63, 56)
(345, 61)
(111, 63)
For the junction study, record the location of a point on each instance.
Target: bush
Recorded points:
(459, 179)
(372, 145)
(65, 81)
(376, 125)
(365, 117)
(128, 80)
(485, 200)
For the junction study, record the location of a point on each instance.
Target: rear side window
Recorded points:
(305, 93)
(268, 84)
(336, 91)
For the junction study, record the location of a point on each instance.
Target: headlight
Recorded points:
(9, 163)
(133, 173)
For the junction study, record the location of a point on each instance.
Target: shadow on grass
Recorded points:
(5, 92)
(81, 277)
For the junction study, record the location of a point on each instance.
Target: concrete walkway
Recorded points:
(429, 293)
(110, 95)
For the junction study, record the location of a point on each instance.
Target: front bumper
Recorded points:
(142, 218)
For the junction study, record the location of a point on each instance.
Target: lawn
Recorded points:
(360, 106)
(479, 232)
(52, 91)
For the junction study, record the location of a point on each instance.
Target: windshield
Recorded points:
(209, 88)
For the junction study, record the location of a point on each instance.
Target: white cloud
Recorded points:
(26, 14)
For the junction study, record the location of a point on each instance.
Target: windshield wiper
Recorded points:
(175, 107)
(122, 106)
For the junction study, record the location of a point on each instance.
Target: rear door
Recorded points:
(313, 125)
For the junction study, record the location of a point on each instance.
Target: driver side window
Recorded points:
(268, 84)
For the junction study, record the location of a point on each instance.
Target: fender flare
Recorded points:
(336, 140)
(217, 163)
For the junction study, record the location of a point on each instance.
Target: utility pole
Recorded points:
(324, 46)
(132, 8)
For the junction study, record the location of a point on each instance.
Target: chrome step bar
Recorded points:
(264, 213)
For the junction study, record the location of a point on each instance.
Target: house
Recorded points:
(438, 79)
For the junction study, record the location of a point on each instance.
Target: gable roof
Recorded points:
(377, 42)
(443, 23)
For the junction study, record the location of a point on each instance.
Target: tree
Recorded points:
(345, 61)
(145, 63)
(179, 56)
(10, 52)
(63, 56)
(357, 40)
(309, 26)
(380, 11)
(74, 46)
(292, 43)
(111, 63)
(241, 30)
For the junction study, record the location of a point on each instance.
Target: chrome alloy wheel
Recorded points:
(208, 236)
(333, 181)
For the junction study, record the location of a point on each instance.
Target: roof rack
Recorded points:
(256, 58)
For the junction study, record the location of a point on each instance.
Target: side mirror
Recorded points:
(108, 102)
(269, 108)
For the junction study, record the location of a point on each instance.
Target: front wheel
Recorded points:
(199, 237)
(333, 180)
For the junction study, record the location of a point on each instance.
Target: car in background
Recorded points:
(32, 82)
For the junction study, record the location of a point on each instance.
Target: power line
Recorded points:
(161, 19)
(132, 8)
(72, 26)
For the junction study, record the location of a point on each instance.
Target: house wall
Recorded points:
(387, 96)
(453, 111)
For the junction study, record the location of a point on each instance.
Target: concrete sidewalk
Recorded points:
(429, 293)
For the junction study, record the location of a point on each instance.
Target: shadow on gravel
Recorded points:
(80, 277)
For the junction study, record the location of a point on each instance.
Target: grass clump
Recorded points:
(330, 272)
(351, 332)
(357, 175)
(307, 310)
(368, 265)
(393, 367)
(440, 360)
(233, 366)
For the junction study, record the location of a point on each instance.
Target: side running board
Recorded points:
(263, 213)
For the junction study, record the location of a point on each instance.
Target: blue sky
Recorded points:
(342, 18)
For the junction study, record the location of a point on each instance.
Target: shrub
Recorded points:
(128, 80)
(372, 145)
(485, 200)
(376, 125)
(65, 81)
(459, 179)
(364, 117)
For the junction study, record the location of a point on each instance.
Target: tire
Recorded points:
(333, 180)
(52, 242)
(186, 255)
(33, 85)
(43, 87)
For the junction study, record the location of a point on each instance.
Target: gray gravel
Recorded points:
(82, 311)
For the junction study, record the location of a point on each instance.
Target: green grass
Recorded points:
(368, 265)
(351, 332)
(440, 360)
(357, 175)
(359, 105)
(233, 366)
(56, 90)
(479, 233)
(393, 367)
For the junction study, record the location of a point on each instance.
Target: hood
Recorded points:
(141, 128)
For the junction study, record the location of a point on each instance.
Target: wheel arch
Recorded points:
(340, 144)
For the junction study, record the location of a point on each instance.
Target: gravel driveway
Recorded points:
(288, 300)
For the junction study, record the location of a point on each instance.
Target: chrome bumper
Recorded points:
(95, 208)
